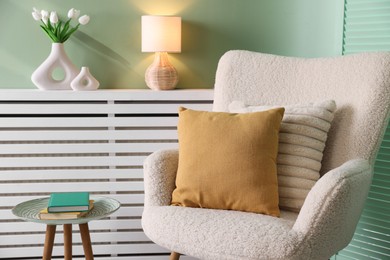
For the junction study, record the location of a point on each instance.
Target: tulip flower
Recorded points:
(83, 20)
(73, 14)
(36, 15)
(45, 16)
(53, 17)
(57, 30)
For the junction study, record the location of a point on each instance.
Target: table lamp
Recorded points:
(161, 34)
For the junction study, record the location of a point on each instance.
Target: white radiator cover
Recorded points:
(96, 141)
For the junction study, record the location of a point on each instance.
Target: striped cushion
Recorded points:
(302, 138)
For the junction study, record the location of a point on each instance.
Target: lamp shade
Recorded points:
(161, 33)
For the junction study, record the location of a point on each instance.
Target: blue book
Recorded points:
(68, 202)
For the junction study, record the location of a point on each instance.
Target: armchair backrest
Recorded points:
(359, 83)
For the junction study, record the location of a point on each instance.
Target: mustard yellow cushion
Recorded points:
(228, 161)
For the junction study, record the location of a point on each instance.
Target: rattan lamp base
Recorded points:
(161, 75)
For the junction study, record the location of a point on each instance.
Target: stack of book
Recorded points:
(67, 205)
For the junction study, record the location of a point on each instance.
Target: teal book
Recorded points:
(68, 202)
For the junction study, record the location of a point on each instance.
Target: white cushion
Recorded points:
(222, 234)
(302, 138)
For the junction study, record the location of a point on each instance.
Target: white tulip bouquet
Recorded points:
(57, 30)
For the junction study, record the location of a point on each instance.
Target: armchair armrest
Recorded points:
(159, 177)
(333, 207)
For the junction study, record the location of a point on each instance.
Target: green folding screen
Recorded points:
(367, 28)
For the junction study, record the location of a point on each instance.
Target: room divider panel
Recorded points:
(58, 141)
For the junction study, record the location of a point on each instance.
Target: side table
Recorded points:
(29, 211)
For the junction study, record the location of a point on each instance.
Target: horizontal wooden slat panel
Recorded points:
(382, 164)
(367, 4)
(122, 212)
(38, 108)
(381, 189)
(118, 224)
(32, 239)
(95, 174)
(383, 156)
(78, 250)
(368, 34)
(378, 203)
(368, 16)
(80, 148)
(369, 40)
(378, 209)
(382, 169)
(138, 257)
(385, 245)
(368, 48)
(48, 144)
(127, 95)
(375, 214)
(371, 251)
(371, 235)
(88, 122)
(373, 227)
(160, 256)
(72, 161)
(382, 174)
(11, 201)
(351, 253)
(129, 212)
(379, 196)
(381, 182)
(88, 134)
(9, 188)
(366, 27)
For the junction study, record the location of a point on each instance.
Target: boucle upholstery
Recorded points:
(302, 136)
(219, 234)
(360, 85)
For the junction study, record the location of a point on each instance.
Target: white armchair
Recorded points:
(360, 85)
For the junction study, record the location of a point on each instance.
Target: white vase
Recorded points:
(42, 77)
(84, 81)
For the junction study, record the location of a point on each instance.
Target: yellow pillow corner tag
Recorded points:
(181, 109)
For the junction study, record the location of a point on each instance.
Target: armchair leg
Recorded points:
(174, 256)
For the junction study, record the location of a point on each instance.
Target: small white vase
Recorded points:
(42, 77)
(84, 81)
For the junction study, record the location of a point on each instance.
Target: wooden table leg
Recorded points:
(84, 231)
(67, 241)
(174, 256)
(49, 242)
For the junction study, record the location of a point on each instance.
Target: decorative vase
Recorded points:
(43, 78)
(84, 81)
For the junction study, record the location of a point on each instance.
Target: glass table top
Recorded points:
(29, 211)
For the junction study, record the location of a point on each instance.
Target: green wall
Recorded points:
(111, 46)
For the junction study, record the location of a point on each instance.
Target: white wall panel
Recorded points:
(93, 141)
